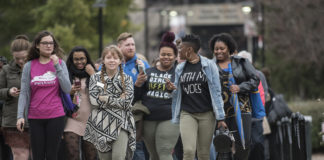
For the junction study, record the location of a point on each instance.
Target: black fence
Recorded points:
(290, 138)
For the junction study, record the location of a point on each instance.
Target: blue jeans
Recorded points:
(257, 138)
(213, 153)
(139, 152)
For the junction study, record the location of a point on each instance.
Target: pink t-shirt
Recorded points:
(45, 101)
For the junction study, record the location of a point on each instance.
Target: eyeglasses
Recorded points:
(79, 59)
(47, 43)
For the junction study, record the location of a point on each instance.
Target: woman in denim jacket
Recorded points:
(196, 99)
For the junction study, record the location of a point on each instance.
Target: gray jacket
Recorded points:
(24, 97)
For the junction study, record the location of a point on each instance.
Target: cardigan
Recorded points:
(24, 97)
(108, 118)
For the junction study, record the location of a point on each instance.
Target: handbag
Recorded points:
(70, 108)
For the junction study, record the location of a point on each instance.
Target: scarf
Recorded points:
(73, 72)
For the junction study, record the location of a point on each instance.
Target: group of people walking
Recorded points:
(183, 95)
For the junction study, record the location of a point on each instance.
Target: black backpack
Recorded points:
(277, 108)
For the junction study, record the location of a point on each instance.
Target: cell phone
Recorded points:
(22, 126)
(77, 83)
(141, 69)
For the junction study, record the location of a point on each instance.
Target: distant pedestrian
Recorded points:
(10, 79)
(257, 137)
(80, 69)
(5, 152)
(98, 64)
(43, 76)
(3, 61)
(197, 101)
(111, 126)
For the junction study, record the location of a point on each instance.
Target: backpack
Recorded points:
(278, 108)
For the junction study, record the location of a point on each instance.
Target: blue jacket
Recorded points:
(130, 68)
(210, 70)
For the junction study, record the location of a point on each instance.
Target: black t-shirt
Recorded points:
(194, 88)
(155, 96)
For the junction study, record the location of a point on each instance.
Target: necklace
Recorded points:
(194, 61)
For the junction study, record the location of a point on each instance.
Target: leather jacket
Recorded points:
(244, 74)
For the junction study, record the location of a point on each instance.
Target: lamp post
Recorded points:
(262, 33)
(100, 4)
(146, 31)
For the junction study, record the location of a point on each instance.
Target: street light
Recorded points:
(246, 9)
(173, 13)
(100, 4)
(164, 13)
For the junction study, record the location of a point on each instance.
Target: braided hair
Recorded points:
(114, 50)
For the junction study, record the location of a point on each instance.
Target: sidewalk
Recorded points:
(318, 156)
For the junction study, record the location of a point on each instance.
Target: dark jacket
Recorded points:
(10, 76)
(244, 74)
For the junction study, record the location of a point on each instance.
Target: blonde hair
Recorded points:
(114, 50)
(123, 37)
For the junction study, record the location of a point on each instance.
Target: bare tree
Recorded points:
(294, 35)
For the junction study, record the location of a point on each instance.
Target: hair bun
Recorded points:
(22, 36)
(168, 37)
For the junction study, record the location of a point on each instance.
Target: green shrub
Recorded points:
(316, 110)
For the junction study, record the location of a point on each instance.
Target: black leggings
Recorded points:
(45, 137)
(73, 150)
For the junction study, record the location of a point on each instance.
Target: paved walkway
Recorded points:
(318, 156)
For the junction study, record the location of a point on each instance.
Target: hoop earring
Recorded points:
(188, 57)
